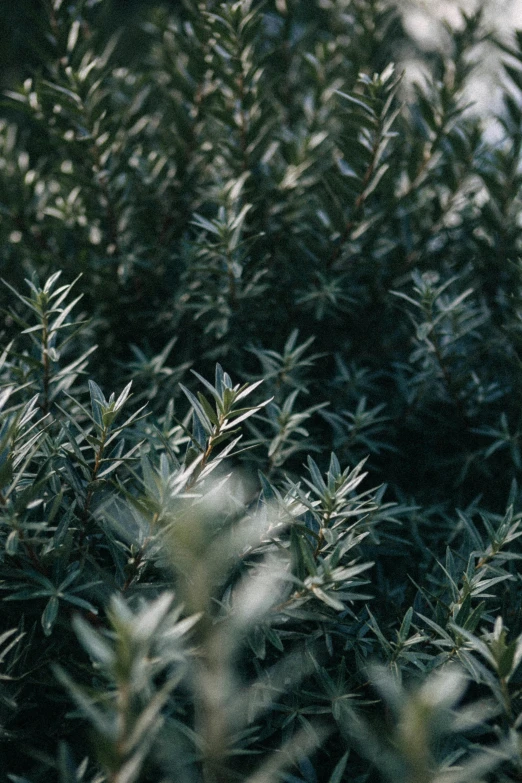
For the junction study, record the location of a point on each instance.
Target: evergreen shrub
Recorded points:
(260, 399)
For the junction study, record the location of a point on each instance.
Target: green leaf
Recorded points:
(337, 774)
(202, 416)
(49, 615)
(98, 403)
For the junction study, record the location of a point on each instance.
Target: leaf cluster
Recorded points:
(249, 275)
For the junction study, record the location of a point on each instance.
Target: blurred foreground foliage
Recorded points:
(260, 394)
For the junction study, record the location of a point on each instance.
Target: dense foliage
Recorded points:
(260, 400)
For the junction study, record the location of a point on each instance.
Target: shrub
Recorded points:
(248, 278)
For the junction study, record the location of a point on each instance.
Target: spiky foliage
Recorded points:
(249, 276)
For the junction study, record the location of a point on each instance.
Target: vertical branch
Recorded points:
(243, 122)
(90, 492)
(45, 364)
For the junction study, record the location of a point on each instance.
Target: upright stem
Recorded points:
(359, 201)
(212, 705)
(448, 381)
(243, 127)
(90, 491)
(45, 363)
(320, 538)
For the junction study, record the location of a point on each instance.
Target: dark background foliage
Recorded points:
(253, 186)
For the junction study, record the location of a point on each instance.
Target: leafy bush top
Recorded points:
(247, 279)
